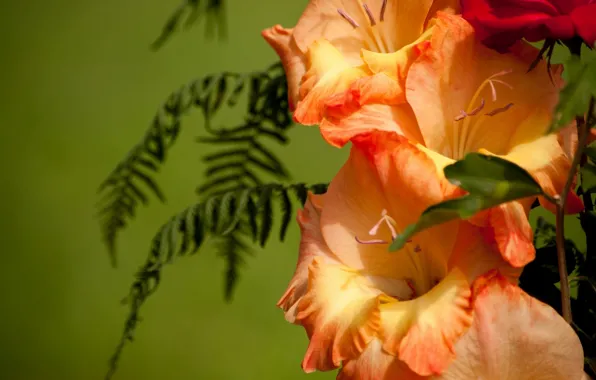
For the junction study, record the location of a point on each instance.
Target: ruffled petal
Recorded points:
(341, 126)
(422, 332)
(475, 255)
(312, 245)
(515, 337)
(292, 59)
(375, 364)
(328, 74)
(340, 314)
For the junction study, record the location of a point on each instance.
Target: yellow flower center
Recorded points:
(418, 281)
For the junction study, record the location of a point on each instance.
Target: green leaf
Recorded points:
(489, 180)
(460, 208)
(590, 151)
(580, 87)
(492, 177)
(588, 175)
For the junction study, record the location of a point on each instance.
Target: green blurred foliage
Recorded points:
(80, 86)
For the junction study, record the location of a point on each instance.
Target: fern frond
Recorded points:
(128, 183)
(213, 10)
(229, 218)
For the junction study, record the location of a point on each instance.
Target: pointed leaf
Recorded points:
(580, 87)
(286, 209)
(459, 208)
(242, 199)
(492, 177)
(265, 209)
(588, 176)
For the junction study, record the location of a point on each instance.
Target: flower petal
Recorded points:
(474, 256)
(422, 332)
(515, 337)
(328, 74)
(340, 314)
(385, 171)
(456, 74)
(312, 245)
(403, 22)
(548, 163)
(376, 364)
(508, 227)
(341, 125)
(292, 59)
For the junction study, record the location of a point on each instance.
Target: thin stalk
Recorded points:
(583, 131)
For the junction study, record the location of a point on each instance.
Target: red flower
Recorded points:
(499, 23)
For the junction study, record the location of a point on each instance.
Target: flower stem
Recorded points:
(582, 131)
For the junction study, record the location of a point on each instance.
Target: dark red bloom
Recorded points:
(499, 23)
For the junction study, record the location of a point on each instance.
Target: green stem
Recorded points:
(583, 131)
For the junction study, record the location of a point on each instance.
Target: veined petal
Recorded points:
(474, 255)
(349, 119)
(395, 65)
(515, 337)
(386, 172)
(548, 163)
(467, 97)
(422, 332)
(292, 59)
(401, 22)
(312, 245)
(328, 74)
(509, 227)
(375, 364)
(340, 314)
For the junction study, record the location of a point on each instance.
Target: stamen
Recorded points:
(477, 109)
(348, 18)
(375, 229)
(493, 90)
(383, 7)
(501, 73)
(503, 83)
(462, 115)
(499, 110)
(373, 22)
(373, 241)
(412, 288)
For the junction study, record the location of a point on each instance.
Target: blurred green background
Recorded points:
(79, 87)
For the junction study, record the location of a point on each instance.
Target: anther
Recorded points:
(383, 7)
(477, 109)
(373, 22)
(462, 115)
(347, 17)
(499, 110)
(373, 241)
(410, 284)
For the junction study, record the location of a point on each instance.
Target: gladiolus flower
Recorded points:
(338, 41)
(433, 306)
(463, 97)
(500, 23)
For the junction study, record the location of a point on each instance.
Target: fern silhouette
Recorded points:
(232, 218)
(127, 184)
(213, 10)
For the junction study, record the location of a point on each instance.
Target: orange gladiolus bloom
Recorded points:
(455, 97)
(437, 306)
(336, 42)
